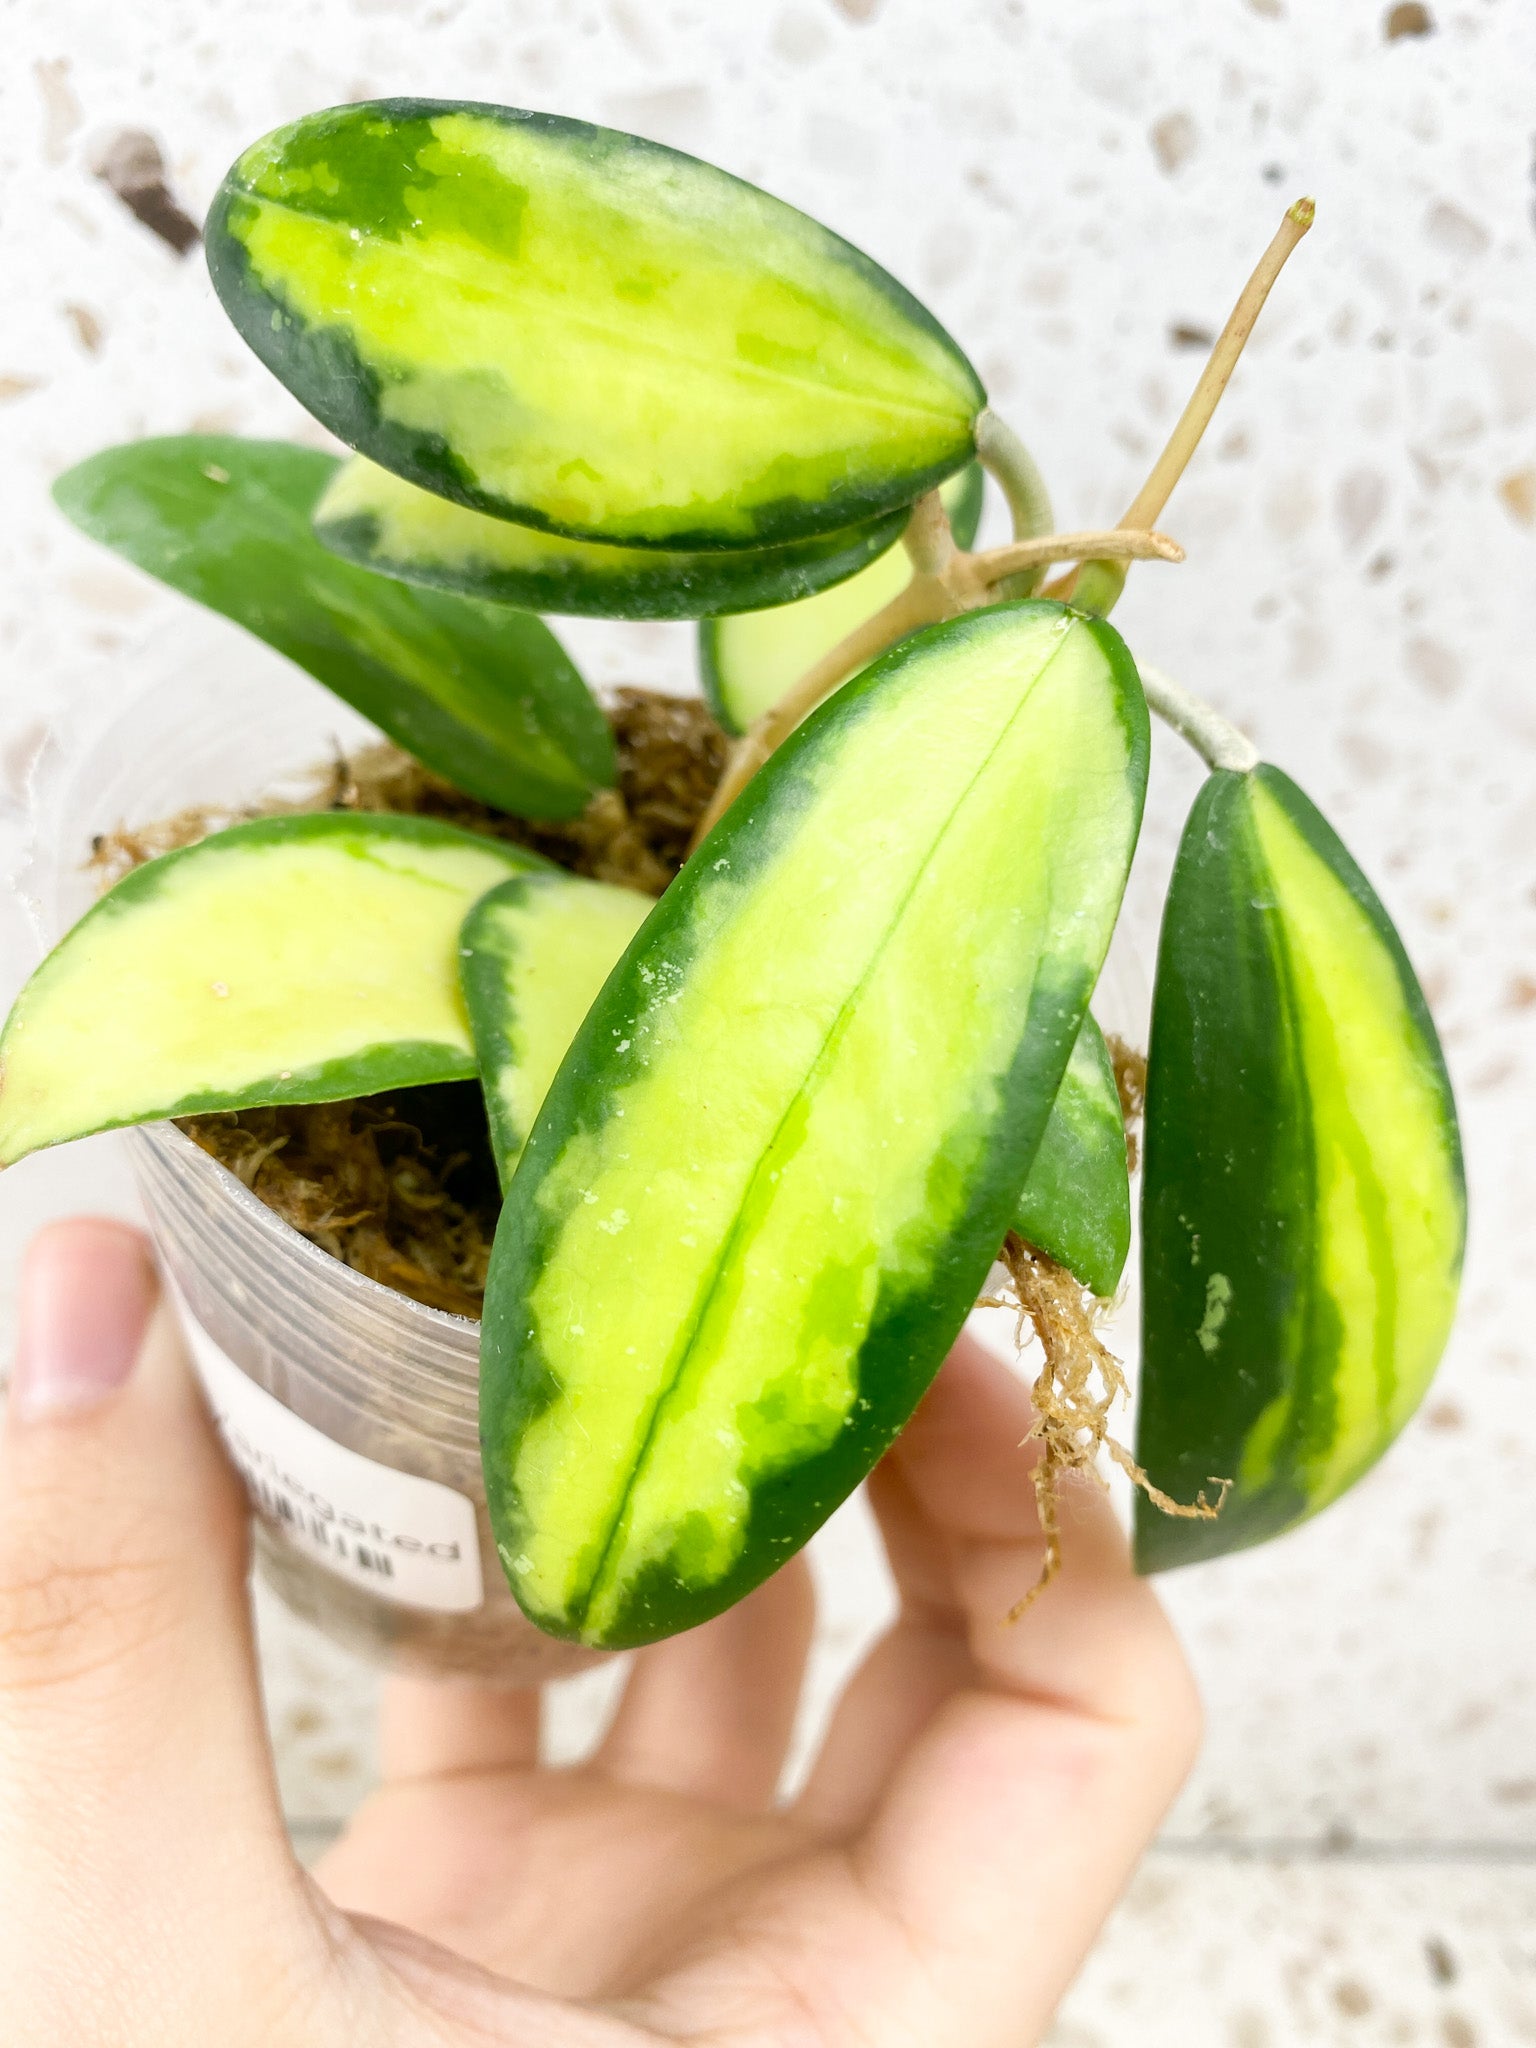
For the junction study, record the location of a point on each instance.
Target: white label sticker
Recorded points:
(398, 1536)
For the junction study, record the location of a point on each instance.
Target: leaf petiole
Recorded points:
(1215, 739)
(1003, 455)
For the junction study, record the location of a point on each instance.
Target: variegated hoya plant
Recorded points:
(760, 1140)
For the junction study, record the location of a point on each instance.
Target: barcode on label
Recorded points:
(409, 1540)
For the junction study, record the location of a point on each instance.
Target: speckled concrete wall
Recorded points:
(1078, 190)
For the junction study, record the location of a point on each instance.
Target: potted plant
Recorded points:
(762, 1132)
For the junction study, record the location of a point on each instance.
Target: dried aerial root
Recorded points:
(1131, 1086)
(1073, 1394)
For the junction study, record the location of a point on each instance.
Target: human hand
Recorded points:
(980, 1799)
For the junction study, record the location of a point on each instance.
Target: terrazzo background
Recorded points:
(1077, 191)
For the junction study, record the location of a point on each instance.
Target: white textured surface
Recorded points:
(1210, 1953)
(1067, 186)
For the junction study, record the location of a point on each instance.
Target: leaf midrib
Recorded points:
(836, 1030)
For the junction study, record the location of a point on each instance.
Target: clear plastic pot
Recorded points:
(328, 1385)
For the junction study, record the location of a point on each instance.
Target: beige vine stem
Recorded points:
(1214, 378)
(962, 582)
(1116, 543)
(928, 539)
(922, 603)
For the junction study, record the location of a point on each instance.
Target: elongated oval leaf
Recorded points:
(773, 1170)
(1303, 1207)
(581, 330)
(376, 518)
(484, 695)
(294, 959)
(1076, 1204)
(534, 952)
(746, 663)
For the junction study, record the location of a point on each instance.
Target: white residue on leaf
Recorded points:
(1218, 1300)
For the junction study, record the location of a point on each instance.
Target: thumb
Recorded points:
(130, 1719)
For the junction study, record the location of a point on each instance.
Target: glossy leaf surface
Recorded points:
(483, 694)
(294, 959)
(377, 519)
(581, 330)
(746, 663)
(1303, 1208)
(534, 952)
(1076, 1204)
(772, 1172)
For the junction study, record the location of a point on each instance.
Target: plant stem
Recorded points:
(1117, 543)
(1218, 742)
(964, 583)
(1214, 378)
(920, 604)
(928, 539)
(1003, 455)
(1154, 494)
(924, 601)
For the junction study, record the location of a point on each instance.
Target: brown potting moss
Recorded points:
(402, 1186)
(670, 756)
